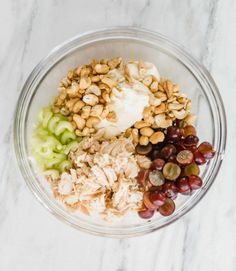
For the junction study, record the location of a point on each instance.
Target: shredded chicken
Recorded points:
(103, 178)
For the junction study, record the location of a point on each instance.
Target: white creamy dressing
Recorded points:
(129, 106)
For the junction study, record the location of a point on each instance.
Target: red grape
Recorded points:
(167, 151)
(199, 158)
(157, 198)
(171, 171)
(191, 140)
(143, 177)
(184, 157)
(172, 159)
(189, 130)
(206, 150)
(145, 213)
(147, 202)
(191, 169)
(168, 208)
(157, 164)
(156, 178)
(170, 190)
(155, 154)
(173, 133)
(195, 182)
(141, 149)
(183, 186)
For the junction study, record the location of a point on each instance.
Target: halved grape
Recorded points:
(167, 208)
(199, 158)
(154, 154)
(195, 182)
(156, 178)
(157, 198)
(172, 159)
(144, 150)
(189, 130)
(191, 169)
(143, 177)
(146, 213)
(206, 149)
(192, 148)
(173, 133)
(171, 171)
(157, 164)
(184, 157)
(170, 190)
(191, 140)
(183, 186)
(147, 202)
(167, 151)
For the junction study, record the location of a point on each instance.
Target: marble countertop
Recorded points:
(30, 238)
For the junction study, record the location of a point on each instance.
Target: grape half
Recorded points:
(195, 182)
(191, 169)
(184, 157)
(146, 213)
(143, 150)
(157, 198)
(167, 208)
(170, 190)
(206, 150)
(171, 171)
(183, 186)
(156, 178)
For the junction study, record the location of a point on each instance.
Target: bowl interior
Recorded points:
(171, 64)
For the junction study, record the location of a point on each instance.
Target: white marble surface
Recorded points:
(30, 238)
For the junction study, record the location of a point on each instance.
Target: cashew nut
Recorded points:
(143, 140)
(157, 137)
(77, 106)
(90, 99)
(162, 122)
(85, 82)
(80, 122)
(91, 121)
(94, 90)
(180, 114)
(146, 131)
(101, 68)
(96, 110)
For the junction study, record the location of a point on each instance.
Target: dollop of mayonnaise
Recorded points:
(129, 104)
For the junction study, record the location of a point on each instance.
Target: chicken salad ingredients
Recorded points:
(53, 139)
(102, 178)
(119, 139)
(174, 169)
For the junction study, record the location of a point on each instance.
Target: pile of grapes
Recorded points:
(174, 169)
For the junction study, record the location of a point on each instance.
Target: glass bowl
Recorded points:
(130, 43)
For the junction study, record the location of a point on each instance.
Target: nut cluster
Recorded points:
(167, 104)
(85, 94)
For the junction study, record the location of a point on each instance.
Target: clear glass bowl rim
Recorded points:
(80, 40)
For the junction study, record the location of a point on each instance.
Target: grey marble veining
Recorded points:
(30, 238)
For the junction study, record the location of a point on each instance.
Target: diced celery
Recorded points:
(67, 136)
(64, 165)
(62, 126)
(44, 152)
(52, 172)
(53, 123)
(47, 114)
(72, 146)
(57, 159)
